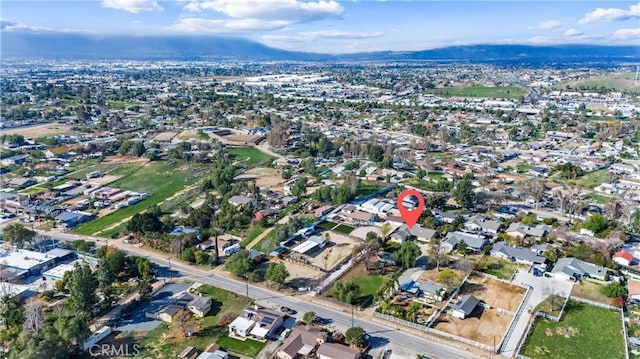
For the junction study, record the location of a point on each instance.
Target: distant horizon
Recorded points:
(339, 27)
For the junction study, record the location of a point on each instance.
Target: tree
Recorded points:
(277, 273)
(385, 228)
(346, 292)
(239, 263)
(581, 251)
(464, 194)
(613, 290)
(299, 188)
(597, 223)
(462, 248)
(82, 288)
(18, 235)
(309, 317)
(184, 324)
(436, 253)
(449, 279)
(354, 336)
(407, 254)
(376, 153)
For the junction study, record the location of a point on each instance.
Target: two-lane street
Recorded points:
(341, 320)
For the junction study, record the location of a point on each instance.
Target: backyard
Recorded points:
(368, 283)
(497, 267)
(590, 290)
(585, 331)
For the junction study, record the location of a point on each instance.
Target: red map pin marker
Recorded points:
(410, 217)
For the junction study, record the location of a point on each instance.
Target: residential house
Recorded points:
(633, 290)
(574, 269)
(21, 182)
(410, 282)
(168, 313)
(480, 224)
(256, 322)
(301, 343)
(199, 305)
(359, 217)
(337, 351)
(623, 258)
(240, 200)
(72, 219)
(446, 217)
(404, 233)
(475, 242)
(188, 353)
(218, 354)
(465, 306)
(517, 254)
(519, 230)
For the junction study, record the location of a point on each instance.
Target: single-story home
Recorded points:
(519, 230)
(199, 305)
(169, 312)
(517, 254)
(302, 341)
(240, 200)
(623, 258)
(480, 224)
(337, 351)
(72, 219)
(410, 282)
(475, 242)
(465, 306)
(574, 269)
(256, 322)
(633, 290)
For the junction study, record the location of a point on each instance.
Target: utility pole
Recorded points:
(352, 324)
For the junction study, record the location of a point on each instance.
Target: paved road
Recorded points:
(381, 334)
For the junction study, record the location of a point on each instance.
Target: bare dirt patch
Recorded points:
(299, 275)
(101, 181)
(165, 136)
(264, 177)
(484, 325)
(241, 138)
(35, 131)
(494, 292)
(340, 247)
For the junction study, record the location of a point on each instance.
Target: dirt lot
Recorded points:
(299, 275)
(484, 325)
(494, 292)
(337, 251)
(432, 275)
(165, 136)
(264, 177)
(38, 130)
(241, 138)
(101, 181)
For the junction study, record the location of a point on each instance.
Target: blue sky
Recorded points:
(339, 27)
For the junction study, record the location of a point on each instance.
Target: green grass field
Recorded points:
(593, 179)
(599, 198)
(500, 268)
(248, 347)
(368, 283)
(344, 229)
(480, 91)
(367, 187)
(327, 225)
(157, 179)
(584, 332)
(249, 156)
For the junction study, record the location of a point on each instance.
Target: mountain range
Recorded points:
(54, 45)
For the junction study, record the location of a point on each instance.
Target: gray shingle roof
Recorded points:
(517, 253)
(573, 266)
(466, 304)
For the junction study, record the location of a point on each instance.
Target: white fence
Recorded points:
(434, 331)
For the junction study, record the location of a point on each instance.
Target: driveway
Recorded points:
(541, 288)
(137, 321)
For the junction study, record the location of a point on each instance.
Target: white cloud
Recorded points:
(133, 6)
(255, 15)
(323, 35)
(549, 25)
(290, 10)
(572, 33)
(627, 34)
(209, 26)
(611, 14)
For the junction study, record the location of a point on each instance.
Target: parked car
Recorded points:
(288, 310)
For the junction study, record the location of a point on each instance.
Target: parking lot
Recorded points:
(136, 320)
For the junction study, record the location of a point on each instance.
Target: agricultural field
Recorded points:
(158, 179)
(249, 156)
(584, 331)
(480, 91)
